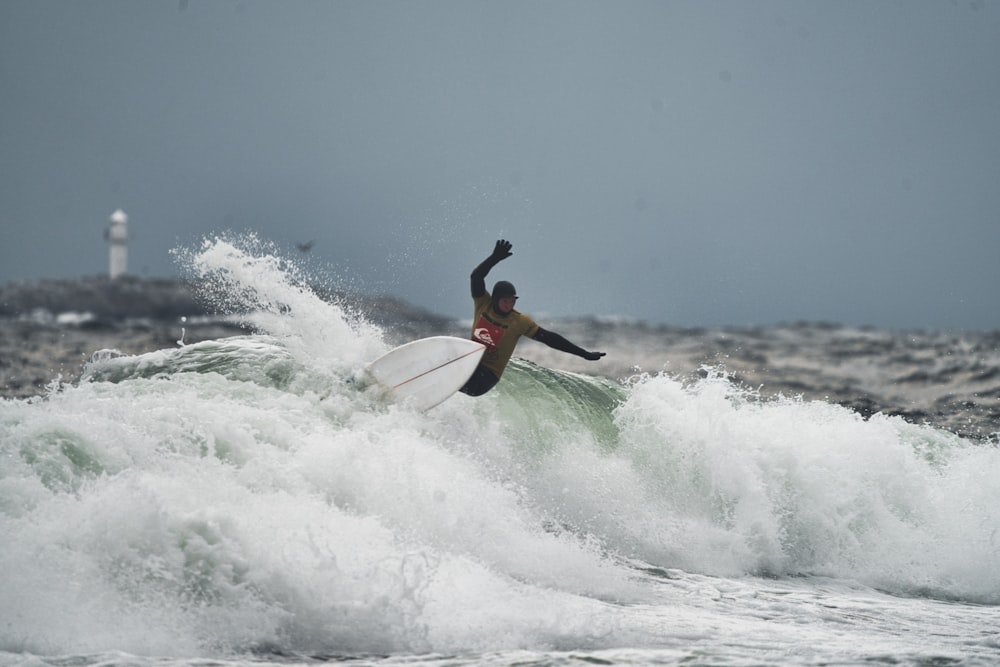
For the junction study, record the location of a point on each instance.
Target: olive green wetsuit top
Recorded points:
(499, 333)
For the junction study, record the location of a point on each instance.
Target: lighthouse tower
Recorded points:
(117, 236)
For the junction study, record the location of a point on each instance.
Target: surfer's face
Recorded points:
(505, 304)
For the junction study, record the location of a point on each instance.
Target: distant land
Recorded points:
(163, 299)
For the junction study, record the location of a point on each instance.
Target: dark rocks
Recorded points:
(103, 298)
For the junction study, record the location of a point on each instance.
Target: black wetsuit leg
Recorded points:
(482, 381)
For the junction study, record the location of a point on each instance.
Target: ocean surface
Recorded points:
(813, 496)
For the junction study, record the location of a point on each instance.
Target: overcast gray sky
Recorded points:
(694, 163)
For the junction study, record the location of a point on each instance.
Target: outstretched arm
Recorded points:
(500, 252)
(554, 340)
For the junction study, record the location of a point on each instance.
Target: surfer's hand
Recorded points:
(594, 356)
(501, 250)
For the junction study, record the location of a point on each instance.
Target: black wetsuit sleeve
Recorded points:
(555, 341)
(478, 278)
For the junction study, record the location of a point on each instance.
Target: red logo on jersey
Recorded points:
(487, 333)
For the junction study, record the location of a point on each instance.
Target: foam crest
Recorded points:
(247, 277)
(732, 484)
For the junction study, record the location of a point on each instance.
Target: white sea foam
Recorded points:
(248, 495)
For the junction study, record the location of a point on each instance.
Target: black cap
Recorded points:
(503, 289)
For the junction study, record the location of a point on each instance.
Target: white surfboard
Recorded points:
(427, 371)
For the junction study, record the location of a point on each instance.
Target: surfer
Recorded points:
(498, 326)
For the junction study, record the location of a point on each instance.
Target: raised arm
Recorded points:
(554, 340)
(500, 252)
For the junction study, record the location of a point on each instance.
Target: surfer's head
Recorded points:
(504, 297)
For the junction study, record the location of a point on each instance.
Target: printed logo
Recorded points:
(488, 334)
(483, 336)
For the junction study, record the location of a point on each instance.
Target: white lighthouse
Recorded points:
(117, 236)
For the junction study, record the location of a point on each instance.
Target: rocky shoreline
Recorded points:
(50, 329)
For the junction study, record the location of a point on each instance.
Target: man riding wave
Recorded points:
(498, 326)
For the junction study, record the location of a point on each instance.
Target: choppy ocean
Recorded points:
(251, 500)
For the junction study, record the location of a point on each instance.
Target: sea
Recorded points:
(254, 500)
